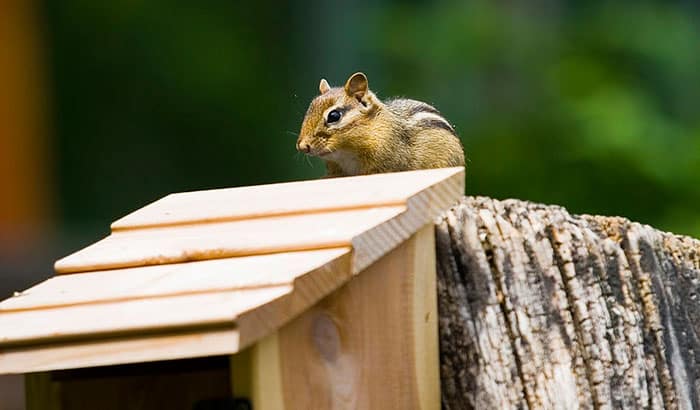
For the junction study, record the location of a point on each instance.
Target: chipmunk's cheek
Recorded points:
(323, 148)
(330, 143)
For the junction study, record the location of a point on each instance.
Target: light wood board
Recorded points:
(371, 230)
(257, 263)
(168, 303)
(196, 342)
(158, 281)
(302, 197)
(370, 344)
(228, 239)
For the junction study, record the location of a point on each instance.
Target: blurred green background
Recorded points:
(594, 107)
(108, 105)
(590, 105)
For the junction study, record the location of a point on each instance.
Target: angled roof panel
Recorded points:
(205, 273)
(301, 197)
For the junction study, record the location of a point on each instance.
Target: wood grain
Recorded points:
(253, 308)
(158, 281)
(142, 315)
(302, 197)
(371, 344)
(394, 209)
(422, 208)
(158, 328)
(257, 263)
(543, 309)
(227, 239)
(138, 348)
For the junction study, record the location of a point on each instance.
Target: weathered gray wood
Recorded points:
(543, 309)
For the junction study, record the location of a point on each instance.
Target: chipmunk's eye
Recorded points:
(333, 116)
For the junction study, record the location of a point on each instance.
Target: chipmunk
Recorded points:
(356, 133)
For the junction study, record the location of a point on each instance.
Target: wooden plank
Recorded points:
(216, 275)
(83, 334)
(426, 347)
(421, 208)
(142, 315)
(239, 238)
(371, 344)
(371, 231)
(110, 307)
(299, 197)
(187, 343)
(265, 370)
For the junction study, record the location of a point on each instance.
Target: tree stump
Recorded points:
(543, 309)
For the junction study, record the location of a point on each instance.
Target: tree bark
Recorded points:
(543, 309)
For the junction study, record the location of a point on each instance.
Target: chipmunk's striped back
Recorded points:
(419, 114)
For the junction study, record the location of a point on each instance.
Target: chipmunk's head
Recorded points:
(337, 120)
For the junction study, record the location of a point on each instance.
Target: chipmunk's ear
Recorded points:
(356, 86)
(323, 87)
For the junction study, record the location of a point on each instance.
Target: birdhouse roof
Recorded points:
(211, 272)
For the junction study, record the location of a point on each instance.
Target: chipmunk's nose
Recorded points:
(304, 147)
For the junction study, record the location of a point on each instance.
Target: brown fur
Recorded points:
(374, 137)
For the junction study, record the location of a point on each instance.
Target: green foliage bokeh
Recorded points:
(591, 105)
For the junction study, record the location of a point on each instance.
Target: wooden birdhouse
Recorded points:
(314, 294)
